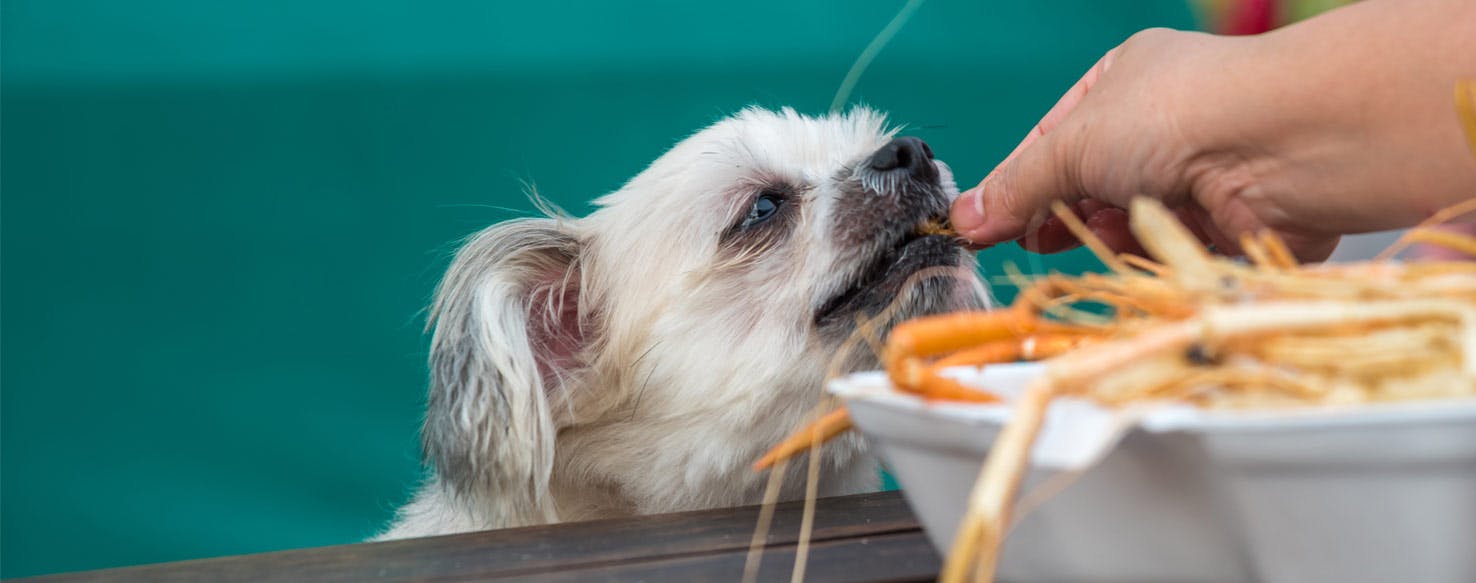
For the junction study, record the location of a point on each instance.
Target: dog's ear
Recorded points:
(508, 329)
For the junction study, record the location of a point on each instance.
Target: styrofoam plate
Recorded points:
(1171, 493)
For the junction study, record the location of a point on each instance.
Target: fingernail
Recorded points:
(968, 213)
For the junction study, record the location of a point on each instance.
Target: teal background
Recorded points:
(222, 220)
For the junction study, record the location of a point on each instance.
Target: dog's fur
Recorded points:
(639, 359)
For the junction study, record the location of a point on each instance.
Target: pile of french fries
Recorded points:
(1191, 327)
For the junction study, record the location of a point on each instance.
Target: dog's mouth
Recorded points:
(929, 242)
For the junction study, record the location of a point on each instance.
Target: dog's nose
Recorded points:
(909, 154)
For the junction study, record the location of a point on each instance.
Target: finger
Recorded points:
(1111, 226)
(1310, 248)
(1107, 222)
(1017, 199)
(1087, 207)
(1051, 237)
(1306, 247)
(1203, 226)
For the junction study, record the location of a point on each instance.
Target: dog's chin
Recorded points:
(887, 276)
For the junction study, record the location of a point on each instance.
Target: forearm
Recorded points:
(1373, 82)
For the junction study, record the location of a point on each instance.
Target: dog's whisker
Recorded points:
(635, 407)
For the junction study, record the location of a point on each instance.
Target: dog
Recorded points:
(639, 359)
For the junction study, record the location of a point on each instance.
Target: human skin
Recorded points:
(1343, 123)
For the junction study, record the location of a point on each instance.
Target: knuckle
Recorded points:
(1151, 36)
(1067, 154)
(1156, 41)
(1010, 196)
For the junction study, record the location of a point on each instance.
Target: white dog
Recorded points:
(638, 360)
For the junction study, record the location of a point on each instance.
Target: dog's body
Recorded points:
(639, 359)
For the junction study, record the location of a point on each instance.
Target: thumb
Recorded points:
(1015, 199)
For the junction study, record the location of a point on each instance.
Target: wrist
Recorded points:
(1340, 124)
(1359, 119)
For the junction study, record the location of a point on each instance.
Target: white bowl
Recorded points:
(1369, 493)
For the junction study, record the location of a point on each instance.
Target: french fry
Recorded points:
(823, 429)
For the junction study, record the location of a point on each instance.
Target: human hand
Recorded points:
(1287, 131)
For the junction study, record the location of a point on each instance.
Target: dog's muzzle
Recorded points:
(893, 193)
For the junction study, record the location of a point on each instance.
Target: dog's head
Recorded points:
(711, 290)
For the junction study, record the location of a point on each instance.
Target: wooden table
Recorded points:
(868, 537)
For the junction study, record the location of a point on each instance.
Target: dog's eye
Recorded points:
(764, 208)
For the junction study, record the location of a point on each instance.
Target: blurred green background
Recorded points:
(222, 220)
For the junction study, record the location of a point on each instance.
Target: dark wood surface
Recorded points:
(868, 537)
